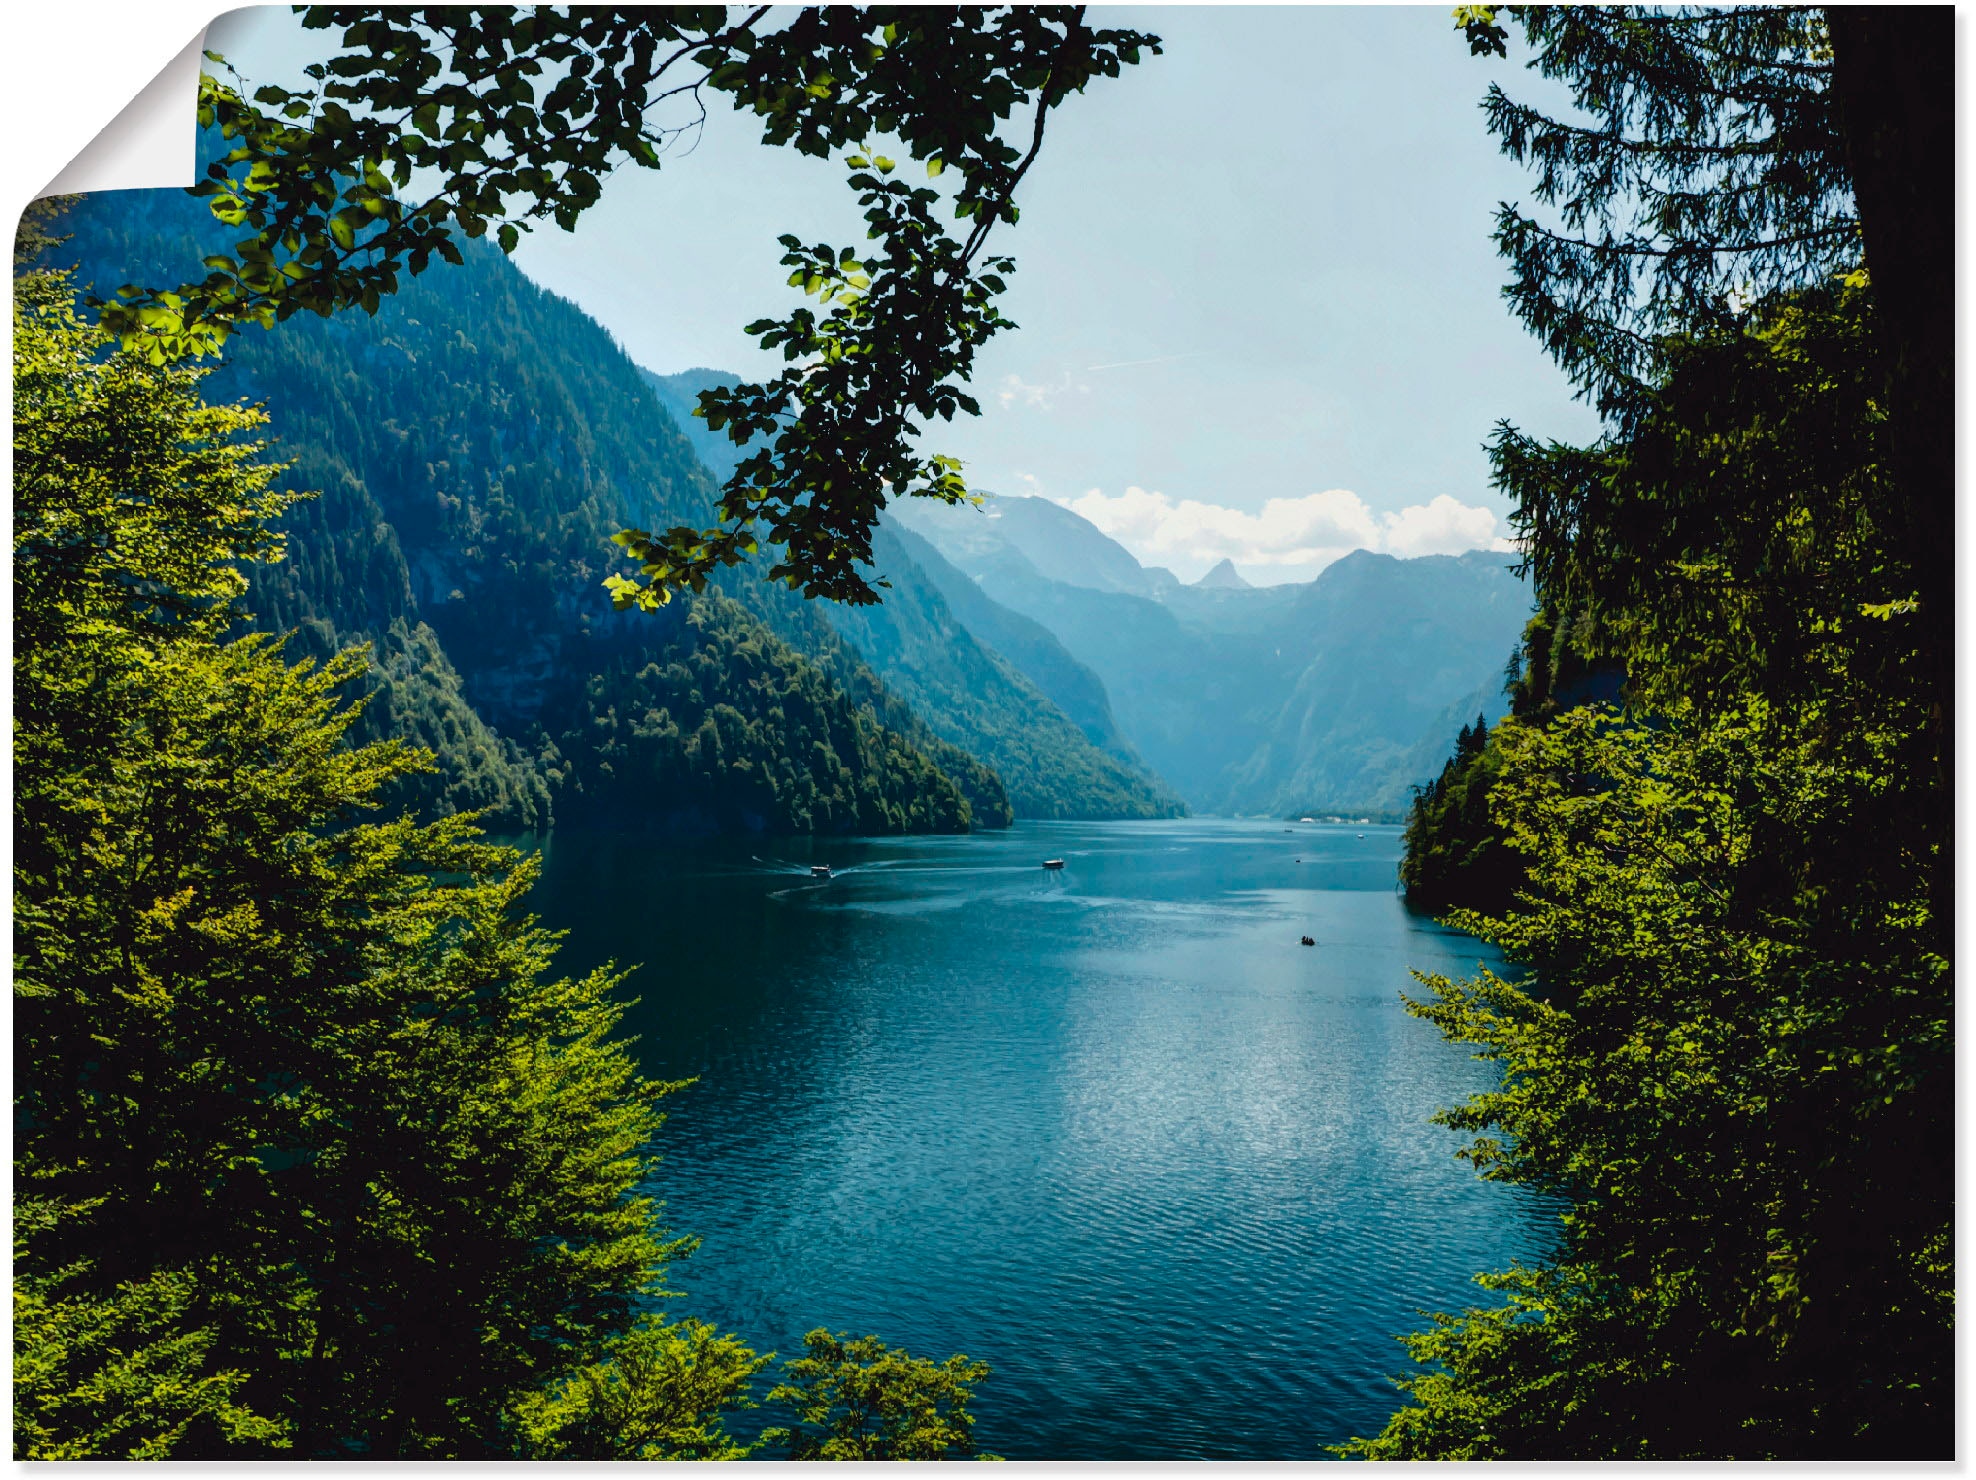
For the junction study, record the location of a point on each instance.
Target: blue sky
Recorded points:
(1261, 314)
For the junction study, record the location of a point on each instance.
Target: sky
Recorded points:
(1260, 312)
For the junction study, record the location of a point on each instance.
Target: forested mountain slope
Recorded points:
(476, 443)
(983, 677)
(974, 697)
(1026, 643)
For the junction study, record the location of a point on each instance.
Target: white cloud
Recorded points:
(1017, 391)
(1290, 538)
(1443, 526)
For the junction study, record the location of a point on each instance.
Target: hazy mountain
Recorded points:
(1388, 645)
(975, 697)
(1027, 644)
(1059, 545)
(680, 395)
(1224, 577)
(1334, 694)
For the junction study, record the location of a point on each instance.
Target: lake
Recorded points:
(1112, 1129)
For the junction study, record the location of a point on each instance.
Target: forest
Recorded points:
(317, 1156)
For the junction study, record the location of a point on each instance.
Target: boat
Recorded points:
(819, 871)
(1053, 863)
(1308, 941)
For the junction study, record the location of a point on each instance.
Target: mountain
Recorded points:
(1336, 694)
(1057, 544)
(1224, 577)
(991, 682)
(1388, 646)
(680, 395)
(476, 442)
(974, 697)
(1028, 645)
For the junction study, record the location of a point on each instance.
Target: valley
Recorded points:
(477, 442)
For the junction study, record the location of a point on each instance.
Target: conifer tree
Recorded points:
(1729, 1055)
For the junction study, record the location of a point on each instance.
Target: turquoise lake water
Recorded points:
(1112, 1130)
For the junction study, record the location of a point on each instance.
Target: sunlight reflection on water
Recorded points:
(1111, 1129)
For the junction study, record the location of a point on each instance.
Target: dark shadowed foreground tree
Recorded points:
(311, 1154)
(1728, 155)
(1731, 1053)
(435, 123)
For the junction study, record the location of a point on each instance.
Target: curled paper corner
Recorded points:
(152, 144)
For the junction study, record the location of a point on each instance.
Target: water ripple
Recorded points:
(1111, 1130)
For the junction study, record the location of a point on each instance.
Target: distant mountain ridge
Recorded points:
(1330, 695)
(1224, 577)
(1335, 694)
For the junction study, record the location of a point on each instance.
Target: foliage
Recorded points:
(115, 1371)
(1733, 542)
(515, 116)
(723, 728)
(1563, 660)
(658, 1396)
(1730, 1053)
(859, 1399)
(1739, 1076)
(338, 1169)
(1455, 853)
(1707, 167)
(1735, 538)
(33, 237)
(1751, 155)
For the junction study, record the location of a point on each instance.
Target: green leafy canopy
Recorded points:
(497, 119)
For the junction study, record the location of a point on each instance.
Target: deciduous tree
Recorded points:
(435, 123)
(312, 1154)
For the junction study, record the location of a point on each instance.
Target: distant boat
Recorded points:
(1308, 941)
(819, 871)
(1053, 863)
(1361, 834)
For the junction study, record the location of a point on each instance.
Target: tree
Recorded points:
(516, 116)
(1735, 155)
(115, 1371)
(311, 1154)
(859, 1399)
(1454, 850)
(1729, 1054)
(1734, 1070)
(659, 1394)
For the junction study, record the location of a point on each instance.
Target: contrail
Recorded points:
(1156, 360)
